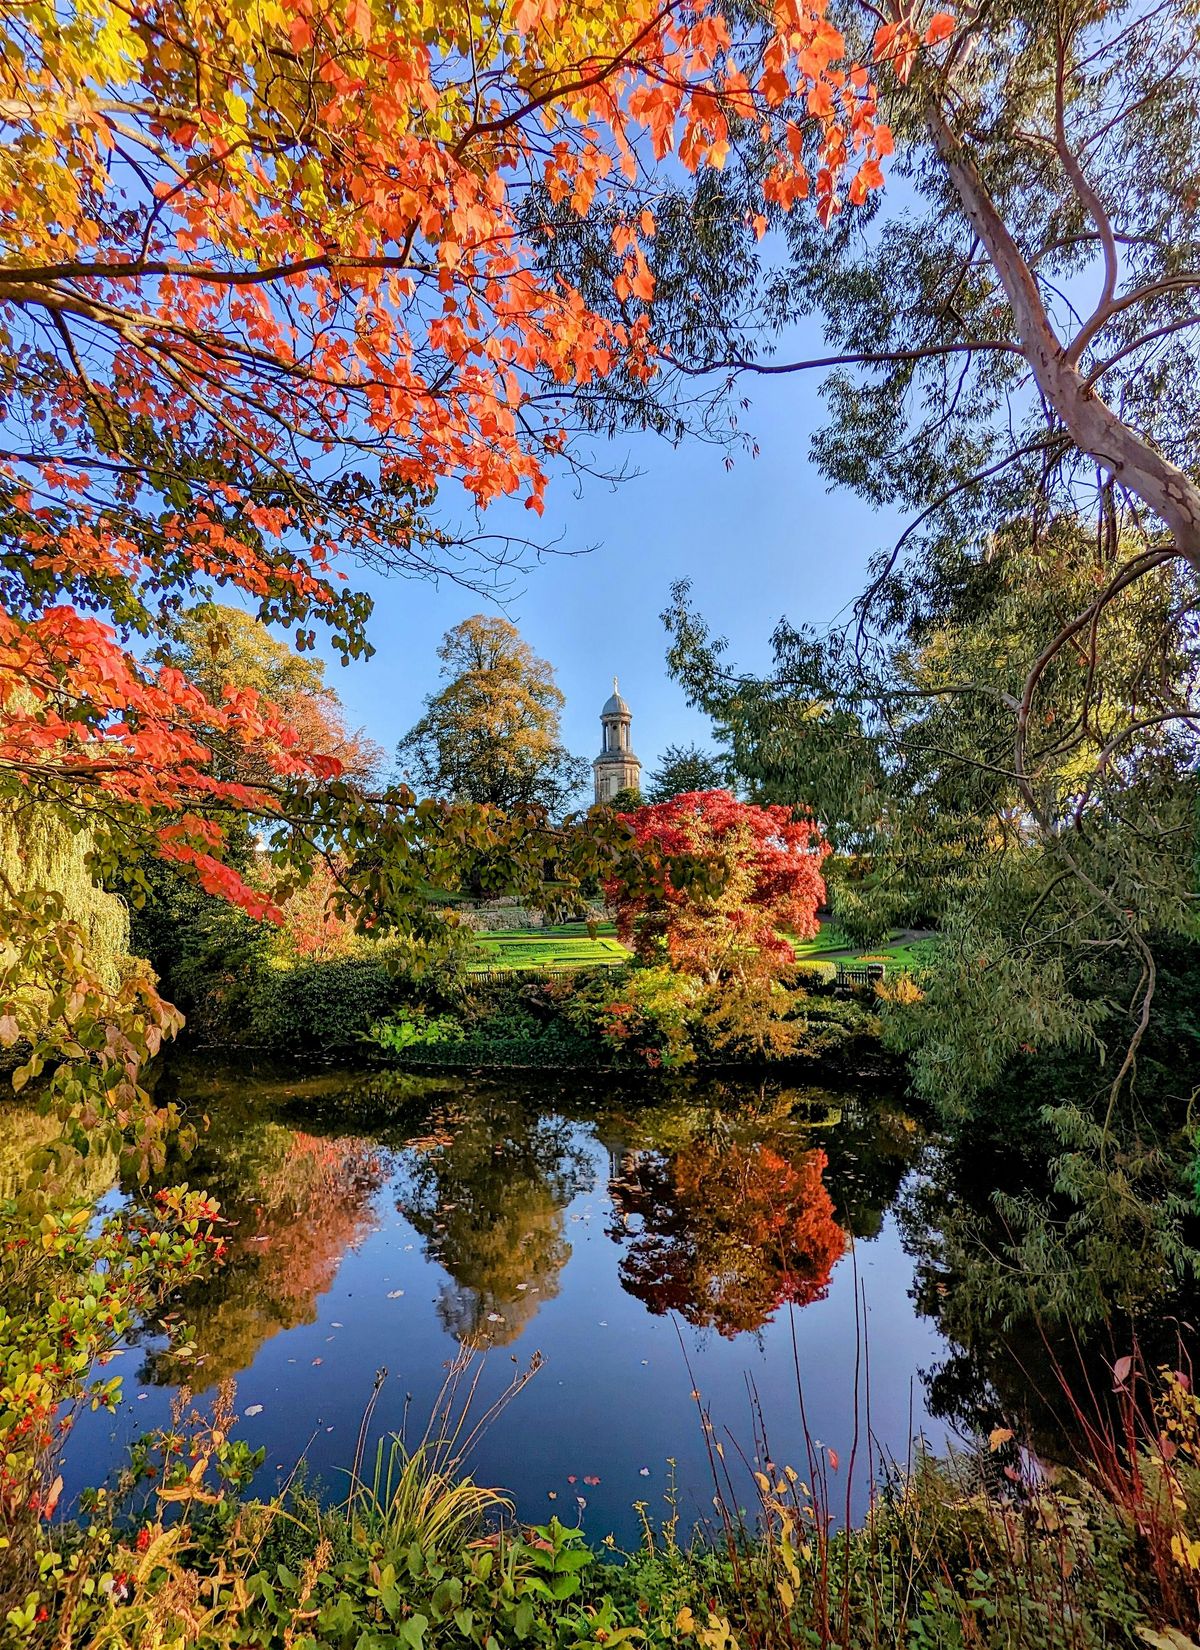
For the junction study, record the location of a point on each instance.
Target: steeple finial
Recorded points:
(615, 688)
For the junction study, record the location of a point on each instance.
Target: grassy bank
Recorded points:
(419, 1556)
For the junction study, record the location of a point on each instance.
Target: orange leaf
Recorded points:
(358, 15)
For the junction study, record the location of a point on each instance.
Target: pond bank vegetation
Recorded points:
(986, 1547)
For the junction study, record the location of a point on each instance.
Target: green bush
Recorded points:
(639, 1016)
(813, 975)
(411, 1030)
(328, 1004)
(509, 1035)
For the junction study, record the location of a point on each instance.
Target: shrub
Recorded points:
(320, 1004)
(410, 1030)
(510, 1035)
(639, 1016)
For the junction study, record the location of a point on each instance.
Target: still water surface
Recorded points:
(647, 1245)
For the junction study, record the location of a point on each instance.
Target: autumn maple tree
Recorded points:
(268, 300)
(736, 882)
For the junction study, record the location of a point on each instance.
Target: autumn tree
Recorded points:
(684, 768)
(177, 925)
(218, 647)
(491, 735)
(736, 881)
(270, 299)
(763, 882)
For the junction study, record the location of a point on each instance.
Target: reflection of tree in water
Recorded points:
(1013, 1338)
(725, 1230)
(487, 1190)
(28, 1132)
(297, 1203)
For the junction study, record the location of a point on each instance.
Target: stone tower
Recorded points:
(616, 768)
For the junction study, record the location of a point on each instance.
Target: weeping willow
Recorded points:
(38, 852)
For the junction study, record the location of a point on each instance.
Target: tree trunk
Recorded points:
(1092, 424)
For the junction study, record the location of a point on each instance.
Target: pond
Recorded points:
(726, 1245)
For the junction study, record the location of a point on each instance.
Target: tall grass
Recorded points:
(983, 1546)
(423, 1492)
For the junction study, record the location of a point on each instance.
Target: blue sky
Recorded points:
(759, 541)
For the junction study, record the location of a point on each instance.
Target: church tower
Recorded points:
(616, 768)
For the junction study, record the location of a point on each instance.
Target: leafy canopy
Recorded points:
(684, 768)
(491, 735)
(269, 303)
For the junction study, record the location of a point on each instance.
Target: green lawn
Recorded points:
(568, 946)
(571, 946)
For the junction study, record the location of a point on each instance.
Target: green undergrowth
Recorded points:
(633, 1018)
(941, 1564)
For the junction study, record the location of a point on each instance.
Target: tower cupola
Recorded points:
(616, 768)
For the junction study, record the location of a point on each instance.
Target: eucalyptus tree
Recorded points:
(1001, 740)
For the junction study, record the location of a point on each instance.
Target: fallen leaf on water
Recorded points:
(571, 1479)
(337, 1326)
(394, 1294)
(495, 1317)
(581, 1500)
(318, 1360)
(590, 1478)
(644, 1472)
(253, 1409)
(553, 1494)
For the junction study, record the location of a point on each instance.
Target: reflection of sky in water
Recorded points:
(488, 1208)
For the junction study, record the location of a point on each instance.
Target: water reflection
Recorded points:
(724, 1231)
(296, 1203)
(487, 1189)
(721, 1195)
(376, 1221)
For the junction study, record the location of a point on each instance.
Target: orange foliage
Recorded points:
(726, 1233)
(266, 290)
(755, 875)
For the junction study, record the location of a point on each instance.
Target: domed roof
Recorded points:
(616, 706)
